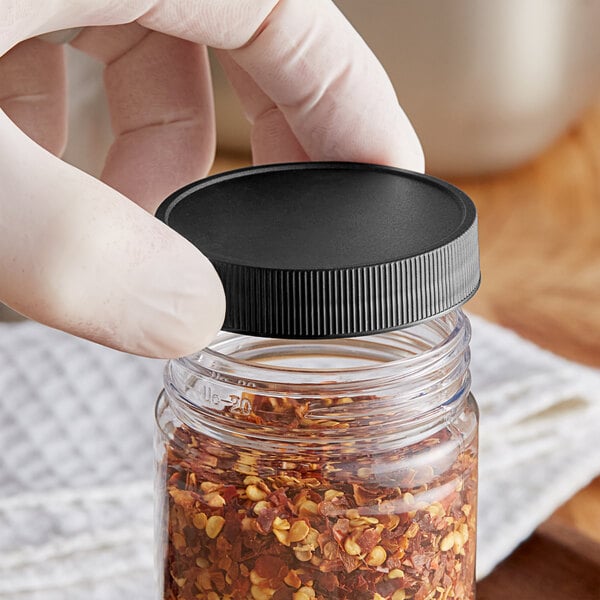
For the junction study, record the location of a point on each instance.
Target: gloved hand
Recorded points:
(75, 252)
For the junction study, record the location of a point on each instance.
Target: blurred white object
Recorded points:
(76, 446)
(487, 85)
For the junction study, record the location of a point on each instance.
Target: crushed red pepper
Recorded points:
(241, 526)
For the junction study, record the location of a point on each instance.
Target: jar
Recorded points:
(337, 469)
(311, 466)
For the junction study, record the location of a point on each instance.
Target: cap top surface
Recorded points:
(330, 249)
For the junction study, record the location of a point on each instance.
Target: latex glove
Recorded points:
(78, 255)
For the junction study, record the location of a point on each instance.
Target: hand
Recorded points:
(75, 253)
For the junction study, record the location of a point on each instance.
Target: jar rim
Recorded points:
(409, 395)
(452, 327)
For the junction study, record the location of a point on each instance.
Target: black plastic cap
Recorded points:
(319, 250)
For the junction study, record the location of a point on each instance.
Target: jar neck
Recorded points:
(399, 384)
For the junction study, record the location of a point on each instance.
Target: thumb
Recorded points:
(78, 256)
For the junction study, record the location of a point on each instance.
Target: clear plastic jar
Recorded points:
(326, 469)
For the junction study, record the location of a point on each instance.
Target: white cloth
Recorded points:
(76, 423)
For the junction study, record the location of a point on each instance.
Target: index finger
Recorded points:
(316, 69)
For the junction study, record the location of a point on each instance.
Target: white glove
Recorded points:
(75, 253)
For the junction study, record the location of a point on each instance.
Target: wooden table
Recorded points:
(540, 254)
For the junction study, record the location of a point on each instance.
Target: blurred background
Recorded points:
(487, 85)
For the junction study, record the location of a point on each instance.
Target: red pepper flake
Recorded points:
(244, 526)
